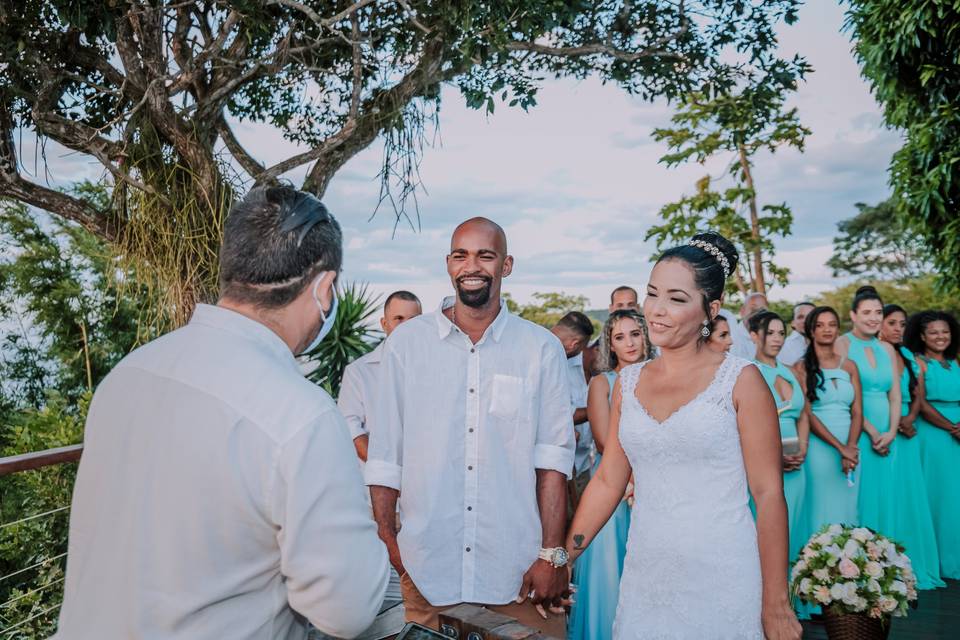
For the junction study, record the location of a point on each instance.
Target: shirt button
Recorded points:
(470, 429)
(470, 467)
(471, 390)
(469, 508)
(472, 350)
(468, 549)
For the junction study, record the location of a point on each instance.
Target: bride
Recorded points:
(697, 428)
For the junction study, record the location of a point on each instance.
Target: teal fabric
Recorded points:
(940, 458)
(794, 482)
(913, 527)
(597, 573)
(829, 497)
(878, 482)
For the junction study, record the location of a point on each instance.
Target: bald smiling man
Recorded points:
(471, 431)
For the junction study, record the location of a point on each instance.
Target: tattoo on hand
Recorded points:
(578, 541)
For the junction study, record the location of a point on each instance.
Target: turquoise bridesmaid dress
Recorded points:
(940, 456)
(914, 522)
(830, 498)
(597, 573)
(794, 482)
(878, 480)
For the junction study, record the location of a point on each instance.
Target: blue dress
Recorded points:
(914, 523)
(940, 455)
(878, 480)
(597, 573)
(830, 499)
(794, 482)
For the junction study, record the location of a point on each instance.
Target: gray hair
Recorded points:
(266, 262)
(606, 358)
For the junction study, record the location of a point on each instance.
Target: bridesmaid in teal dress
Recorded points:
(914, 525)
(831, 385)
(879, 368)
(769, 332)
(597, 571)
(935, 338)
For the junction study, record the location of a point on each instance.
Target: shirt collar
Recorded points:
(576, 361)
(224, 319)
(495, 330)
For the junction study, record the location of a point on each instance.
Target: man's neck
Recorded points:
(473, 321)
(273, 321)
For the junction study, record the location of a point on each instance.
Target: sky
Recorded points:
(575, 181)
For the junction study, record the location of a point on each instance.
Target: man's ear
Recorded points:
(507, 266)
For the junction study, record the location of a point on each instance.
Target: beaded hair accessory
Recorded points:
(714, 251)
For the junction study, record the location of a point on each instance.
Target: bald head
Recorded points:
(478, 261)
(481, 228)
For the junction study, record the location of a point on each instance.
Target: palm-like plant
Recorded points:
(351, 337)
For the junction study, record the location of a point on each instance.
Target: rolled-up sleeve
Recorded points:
(555, 443)
(336, 568)
(385, 418)
(350, 402)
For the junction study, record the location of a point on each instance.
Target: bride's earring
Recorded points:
(705, 329)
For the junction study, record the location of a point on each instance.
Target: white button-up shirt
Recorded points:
(793, 349)
(578, 400)
(218, 494)
(356, 391)
(743, 345)
(460, 428)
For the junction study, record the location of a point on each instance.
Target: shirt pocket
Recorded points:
(506, 396)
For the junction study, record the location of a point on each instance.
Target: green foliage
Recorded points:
(350, 338)
(549, 308)
(914, 294)
(737, 126)
(878, 242)
(908, 53)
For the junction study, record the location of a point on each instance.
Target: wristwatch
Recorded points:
(557, 556)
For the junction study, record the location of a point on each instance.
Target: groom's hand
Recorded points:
(545, 586)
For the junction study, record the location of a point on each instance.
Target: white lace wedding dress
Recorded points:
(692, 568)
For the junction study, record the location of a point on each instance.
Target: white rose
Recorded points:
(862, 534)
(873, 569)
(837, 591)
(851, 549)
(823, 595)
(805, 586)
(860, 604)
(799, 568)
(833, 555)
(873, 585)
(822, 574)
(899, 587)
(835, 529)
(823, 539)
(887, 604)
(809, 554)
(850, 595)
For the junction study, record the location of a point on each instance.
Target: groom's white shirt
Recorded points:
(460, 429)
(218, 494)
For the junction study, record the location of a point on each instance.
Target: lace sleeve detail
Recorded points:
(726, 380)
(629, 376)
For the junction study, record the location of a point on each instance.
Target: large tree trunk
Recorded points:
(759, 282)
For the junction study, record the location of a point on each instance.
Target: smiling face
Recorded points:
(626, 341)
(825, 328)
(936, 336)
(868, 317)
(720, 339)
(892, 328)
(771, 341)
(673, 307)
(478, 262)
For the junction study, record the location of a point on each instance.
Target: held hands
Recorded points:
(881, 444)
(907, 428)
(793, 463)
(849, 457)
(546, 586)
(780, 623)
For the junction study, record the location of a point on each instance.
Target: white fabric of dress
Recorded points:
(693, 567)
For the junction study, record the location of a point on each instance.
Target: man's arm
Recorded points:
(350, 403)
(579, 415)
(335, 567)
(384, 501)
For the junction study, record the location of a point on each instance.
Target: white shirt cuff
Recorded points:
(551, 457)
(355, 429)
(382, 474)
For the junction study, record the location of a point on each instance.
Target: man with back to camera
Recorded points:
(359, 382)
(796, 343)
(211, 467)
(574, 331)
(472, 432)
(743, 345)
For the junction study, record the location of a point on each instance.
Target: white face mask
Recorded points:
(328, 318)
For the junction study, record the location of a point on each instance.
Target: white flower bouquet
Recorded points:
(854, 570)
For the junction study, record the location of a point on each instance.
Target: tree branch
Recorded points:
(249, 164)
(596, 48)
(326, 23)
(13, 185)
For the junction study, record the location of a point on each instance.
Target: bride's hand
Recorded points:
(780, 623)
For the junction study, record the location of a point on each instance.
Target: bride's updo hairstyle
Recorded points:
(713, 259)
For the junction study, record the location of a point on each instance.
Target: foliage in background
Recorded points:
(150, 92)
(736, 127)
(878, 243)
(352, 336)
(915, 294)
(549, 308)
(908, 51)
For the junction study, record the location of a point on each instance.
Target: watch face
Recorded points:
(560, 556)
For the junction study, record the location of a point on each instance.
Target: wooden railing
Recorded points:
(40, 459)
